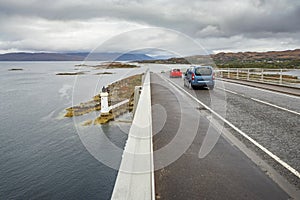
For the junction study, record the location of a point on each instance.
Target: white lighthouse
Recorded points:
(104, 102)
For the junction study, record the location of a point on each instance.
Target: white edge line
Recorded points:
(276, 158)
(261, 89)
(273, 105)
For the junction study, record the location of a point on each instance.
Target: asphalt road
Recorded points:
(273, 87)
(224, 173)
(270, 118)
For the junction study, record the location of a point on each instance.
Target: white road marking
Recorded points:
(276, 158)
(232, 92)
(275, 106)
(263, 102)
(264, 90)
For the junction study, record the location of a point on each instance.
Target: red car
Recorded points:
(175, 73)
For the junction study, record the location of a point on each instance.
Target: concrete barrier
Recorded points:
(135, 178)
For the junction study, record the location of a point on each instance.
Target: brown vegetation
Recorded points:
(118, 91)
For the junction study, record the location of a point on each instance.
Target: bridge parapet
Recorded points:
(135, 178)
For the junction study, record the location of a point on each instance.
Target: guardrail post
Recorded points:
(262, 74)
(228, 75)
(237, 73)
(248, 74)
(280, 77)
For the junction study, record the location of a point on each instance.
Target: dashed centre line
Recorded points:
(263, 102)
(276, 158)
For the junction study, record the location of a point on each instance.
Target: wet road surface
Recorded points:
(272, 87)
(270, 118)
(225, 173)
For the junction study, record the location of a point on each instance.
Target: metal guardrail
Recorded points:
(284, 77)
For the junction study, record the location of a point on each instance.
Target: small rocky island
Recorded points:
(105, 65)
(69, 73)
(110, 65)
(104, 73)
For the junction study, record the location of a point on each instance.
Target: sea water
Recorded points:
(42, 153)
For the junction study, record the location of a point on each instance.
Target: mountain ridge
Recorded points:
(80, 56)
(269, 59)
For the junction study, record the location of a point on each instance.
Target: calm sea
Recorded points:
(43, 155)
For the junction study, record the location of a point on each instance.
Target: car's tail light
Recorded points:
(193, 76)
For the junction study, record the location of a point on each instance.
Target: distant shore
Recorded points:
(106, 65)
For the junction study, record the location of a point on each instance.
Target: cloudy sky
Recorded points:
(83, 25)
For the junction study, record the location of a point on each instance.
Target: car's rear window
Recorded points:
(203, 71)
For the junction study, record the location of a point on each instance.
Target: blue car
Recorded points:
(199, 77)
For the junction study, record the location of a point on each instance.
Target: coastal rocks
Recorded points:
(87, 123)
(70, 73)
(83, 108)
(113, 65)
(118, 92)
(104, 118)
(104, 73)
(108, 65)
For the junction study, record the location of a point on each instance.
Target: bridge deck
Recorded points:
(225, 173)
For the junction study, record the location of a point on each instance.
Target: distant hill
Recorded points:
(73, 57)
(116, 56)
(270, 56)
(38, 57)
(277, 59)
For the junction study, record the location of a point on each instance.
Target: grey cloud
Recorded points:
(200, 19)
(188, 16)
(274, 21)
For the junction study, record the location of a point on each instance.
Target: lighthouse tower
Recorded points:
(104, 103)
